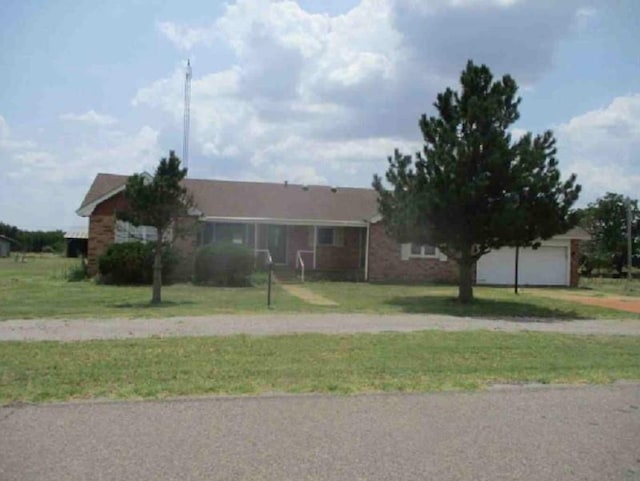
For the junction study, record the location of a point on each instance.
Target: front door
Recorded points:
(277, 245)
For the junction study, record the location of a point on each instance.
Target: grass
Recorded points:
(408, 362)
(436, 299)
(38, 289)
(605, 286)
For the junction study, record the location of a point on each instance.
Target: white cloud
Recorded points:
(91, 117)
(55, 180)
(185, 37)
(8, 143)
(603, 147)
(336, 94)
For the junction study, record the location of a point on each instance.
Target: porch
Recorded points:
(314, 247)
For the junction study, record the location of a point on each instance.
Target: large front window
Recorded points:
(228, 232)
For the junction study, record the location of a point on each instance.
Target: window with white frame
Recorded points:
(423, 250)
(330, 236)
(127, 232)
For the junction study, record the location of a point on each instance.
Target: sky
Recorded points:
(312, 91)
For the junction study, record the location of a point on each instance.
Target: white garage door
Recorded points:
(545, 266)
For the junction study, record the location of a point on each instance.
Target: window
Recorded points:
(126, 232)
(325, 236)
(330, 236)
(228, 232)
(423, 250)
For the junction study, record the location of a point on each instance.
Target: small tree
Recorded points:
(158, 202)
(472, 189)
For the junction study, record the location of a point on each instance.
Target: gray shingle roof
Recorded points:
(221, 198)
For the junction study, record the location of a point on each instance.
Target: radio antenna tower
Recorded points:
(187, 115)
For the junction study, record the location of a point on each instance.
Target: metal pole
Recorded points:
(269, 285)
(515, 284)
(629, 247)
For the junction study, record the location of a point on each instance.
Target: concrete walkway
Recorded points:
(526, 434)
(224, 325)
(307, 295)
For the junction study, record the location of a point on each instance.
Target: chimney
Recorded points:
(334, 189)
(305, 187)
(286, 183)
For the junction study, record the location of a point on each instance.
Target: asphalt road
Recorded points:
(588, 433)
(260, 325)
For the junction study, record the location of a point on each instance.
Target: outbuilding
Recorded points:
(5, 245)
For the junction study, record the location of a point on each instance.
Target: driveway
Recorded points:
(224, 325)
(588, 433)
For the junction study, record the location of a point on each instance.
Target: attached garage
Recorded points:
(549, 265)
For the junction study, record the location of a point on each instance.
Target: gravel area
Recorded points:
(225, 325)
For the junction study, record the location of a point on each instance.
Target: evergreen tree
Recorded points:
(473, 189)
(158, 202)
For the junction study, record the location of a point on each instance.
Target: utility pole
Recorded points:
(187, 116)
(629, 246)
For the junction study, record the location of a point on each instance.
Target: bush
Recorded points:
(224, 264)
(78, 272)
(132, 263)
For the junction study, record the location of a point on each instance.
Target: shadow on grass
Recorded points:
(496, 309)
(147, 304)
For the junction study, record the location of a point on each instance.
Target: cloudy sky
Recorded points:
(314, 91)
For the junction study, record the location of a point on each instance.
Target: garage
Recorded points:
(546, 266)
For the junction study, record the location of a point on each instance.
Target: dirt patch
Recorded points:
(620, 303)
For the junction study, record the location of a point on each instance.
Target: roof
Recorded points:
(258, 201)
(77, 234)
(102, 185)
(8, 239)
(576, 232)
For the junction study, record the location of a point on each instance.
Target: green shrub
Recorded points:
(224, 264)
(132, 263)
(78, 272)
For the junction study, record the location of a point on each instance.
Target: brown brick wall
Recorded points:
(385, 263)
(343, 257)
(101, 236)
(299, 237)
(574, 276)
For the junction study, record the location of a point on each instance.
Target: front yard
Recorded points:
(416, 362)
(38, 289)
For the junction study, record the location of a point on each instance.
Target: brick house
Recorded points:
(318, 227)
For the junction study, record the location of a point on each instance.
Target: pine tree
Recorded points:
(473, 189)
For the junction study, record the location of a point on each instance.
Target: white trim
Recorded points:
(87, 210)
(278, 221)
(376, 218)
(435, 255)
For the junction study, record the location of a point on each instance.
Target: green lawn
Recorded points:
(420, 361)
(436, 299)
(604, 286)
(38, 289)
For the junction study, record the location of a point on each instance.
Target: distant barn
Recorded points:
(77, 242)
(5, 245)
